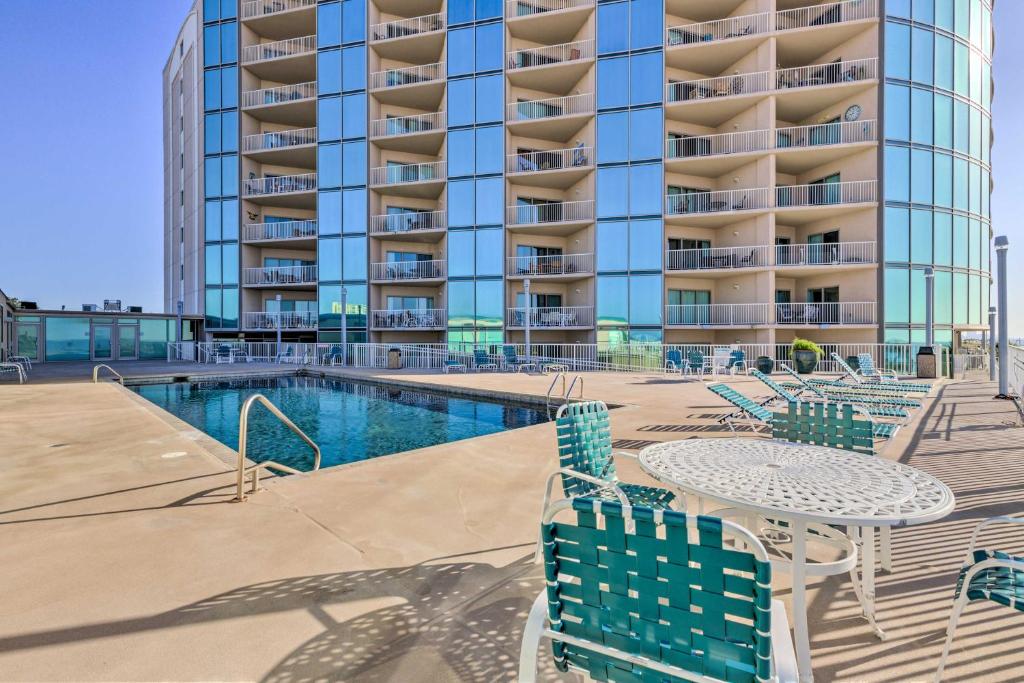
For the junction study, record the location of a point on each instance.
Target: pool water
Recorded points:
(350, 421)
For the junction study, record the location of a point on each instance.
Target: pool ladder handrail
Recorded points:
(243, 432)
(566, 392)
(96, 373)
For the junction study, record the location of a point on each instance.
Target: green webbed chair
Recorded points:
(887, 377)
(785, 393)
(836, 391)
(754, 413)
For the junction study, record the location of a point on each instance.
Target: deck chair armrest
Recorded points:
(596, 481)
(625, 454)
(783, 654)
(1002, 519)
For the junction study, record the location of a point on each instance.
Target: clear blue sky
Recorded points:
(82, 182)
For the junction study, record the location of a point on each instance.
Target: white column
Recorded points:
(929, 307)
(992, 343)
(528, 314)
(344, 326)
(1002, 245)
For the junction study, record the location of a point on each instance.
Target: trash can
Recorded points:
(926, 368)
(394, 359)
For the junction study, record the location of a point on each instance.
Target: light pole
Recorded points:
(929, 307)
(526, 297)
(180, 307)
(992, 344)
(344, 326)
(1002, 245)
(277, 298)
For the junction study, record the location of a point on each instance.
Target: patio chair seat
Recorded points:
(649, 496)
(1001, 585)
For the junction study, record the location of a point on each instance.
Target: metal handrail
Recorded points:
(554, 380)
(575, 379)
(243, 432)
(96, 373)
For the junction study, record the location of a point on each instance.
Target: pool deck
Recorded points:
(121, 557)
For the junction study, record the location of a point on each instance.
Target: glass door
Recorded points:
(102, 342)
(127, 342)
(27, 341)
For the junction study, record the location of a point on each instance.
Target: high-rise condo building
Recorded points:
(685, 171)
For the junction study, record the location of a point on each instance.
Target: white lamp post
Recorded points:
(526, 297)
(277, 298)
(1002, 245)
(992, 343)
(929, 307)
(344, 326)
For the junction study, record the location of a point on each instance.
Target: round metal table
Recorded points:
(803, 485)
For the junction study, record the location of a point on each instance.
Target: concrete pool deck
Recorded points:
(122, 559)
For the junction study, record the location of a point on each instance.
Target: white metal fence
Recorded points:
(717, 200)
(550, 212)
(284, 184)
(262, 142)
(406, 125)
(826, 13)
(827, 74)
(551, 317)
(391, 271)
(838, 253)
(550, 160)
(288, 320)
(527, 110)
(815, 314)
(408, 173)
(840, 133)
(721, 143)
(410, 75)
(281, 230)
(409, 221)
(289, 47)
(719, 29)
(279, 275)
(262, 8)
(279, 94)
(417, 319)
(550, 54)
(556, 264)
(402, 28)
(821, 194)
(719, 86)
(716, 315)
(527, 8)
(717, 258)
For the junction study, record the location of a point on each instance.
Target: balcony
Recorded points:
(554, 168)
(280, 276)
(546, 21)
(805, 203)
(409, 40)
(713, 46)
(408, 271)
(409, 319)
(424, 179)
(255, 9)
(555, 118)
(832, 23)
(714, 155)
(853, 314)
(421, 226)
(283, 231)
(717, 260)
(805, 90)
(417, 133)
(808, 259)
(281, 60)
(802, 148)
(552, 67)
(716, 315)
(695, 205)
(293, 105)
(552, 317)
(285, 148)
(296, 191)
(721, 97)
(418, 87)
(562, 267)
(280, 18)
(554, 218)
(288, 320)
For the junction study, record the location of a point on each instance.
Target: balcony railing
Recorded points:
(827, 74)
(407, 222)
(549, 108)
(391, 271)
(719, 29)
(723, 143)
(403, 28)
(554, 212)
(408, 173)
(283, 230)
(552, 317)
(407, 125)
(261, 8)
(824, 14)
(853, 313)
(718, 258)
(262, 142)
(527, 8)
(280, 275)
(834, 254)
(824, 194)
(289, 47)
(720, 200)
(560, 264)
(279, 94)
(284, 184)
(410, 319)
(550, 54)
(716, 315)
(408, 75)
(288, 320)
(550, 160)
(839, 133)
(719, 86)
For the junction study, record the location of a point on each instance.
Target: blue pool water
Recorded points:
(350, 421)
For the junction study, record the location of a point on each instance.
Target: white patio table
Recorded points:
(802, 485)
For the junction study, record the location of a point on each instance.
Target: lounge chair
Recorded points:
(223, 354)
(842, 392)
(785, 393)
(694, 364)
(674, 361)
(651, 613)
(14, 369)
(886, 377)
(886, 385)
(482, 361)
(512, 359)
(737, 358)
(24, 361)
(452, 364)
(335, 355)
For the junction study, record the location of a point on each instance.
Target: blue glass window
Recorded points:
(212, 227)
(460, 11)
(211, 89)
(229, 175)
(897, 112)
(490, 248)
(612, 28)
(489, 147)
(354, 163)
(353, 21)
(645, 245)
(612, 238)
(328, 260)
(645, 78)
(922, 67)
(460, 102)
(354, 211)
(646, 23)
(353, 111)
(354, 258)
(645, 189)
(612, 74)
(329, 165)
(329, 212)
(645, 134)
(944, 62)
(943, 121)
(461, 205)
(487, 9)
(460, 253)
(645, 292)
(961, 126)
(212, 177)
(328, 69)
(921, 169)
(328, 118)
(944, 14)
(922, 115)
(211, 127)
(229, 87)
(211, 10)
(228, 43)
(328, 25)
(943, 246)
(612, 300)
(490, 193)
(490, 98)
(897, 173)
(229, 131)
(461, 152)
(460, 51)
(612, 192)
(897, 234)
(943, 180)
(897, 48)
(489, 41)
(960, 190)
(211, 46)
(960, 247)
(921, 236)
(353, 60)
(897, 295)
(898, 8)
(212, 269)
(612, 137)
(490, 310)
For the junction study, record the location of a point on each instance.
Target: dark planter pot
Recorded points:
(765, 364)
(853, 362)
(805, 361)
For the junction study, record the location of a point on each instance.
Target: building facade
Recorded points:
(680, 171)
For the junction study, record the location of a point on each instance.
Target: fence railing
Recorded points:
(391, 271)
(825, 14)
(722, 143)
(261, 8)
(718, 200)
(283, 184)
(717, 258)
(716, 315)
(284, 230)
(288, 320)
(289, 47)
(550, 160)
(719, 29)
(262, 142)
(406, 125)
(839, 253)
(848, 192)
(554, 212)
(409, 319)
(839, 133)
(407, 222)
(402, 28)
(550, 54)
(408, 173)
(827, 74)
(515, 9)
(408, 75)
(280, 275)
(560, 264)
(843, 313)
(569, 105)
(551, 316)
(278, 95)
(719, 86)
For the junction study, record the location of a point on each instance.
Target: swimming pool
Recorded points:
(350, 421)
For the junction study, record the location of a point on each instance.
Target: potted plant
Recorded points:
(765, 364)
(805, 355)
